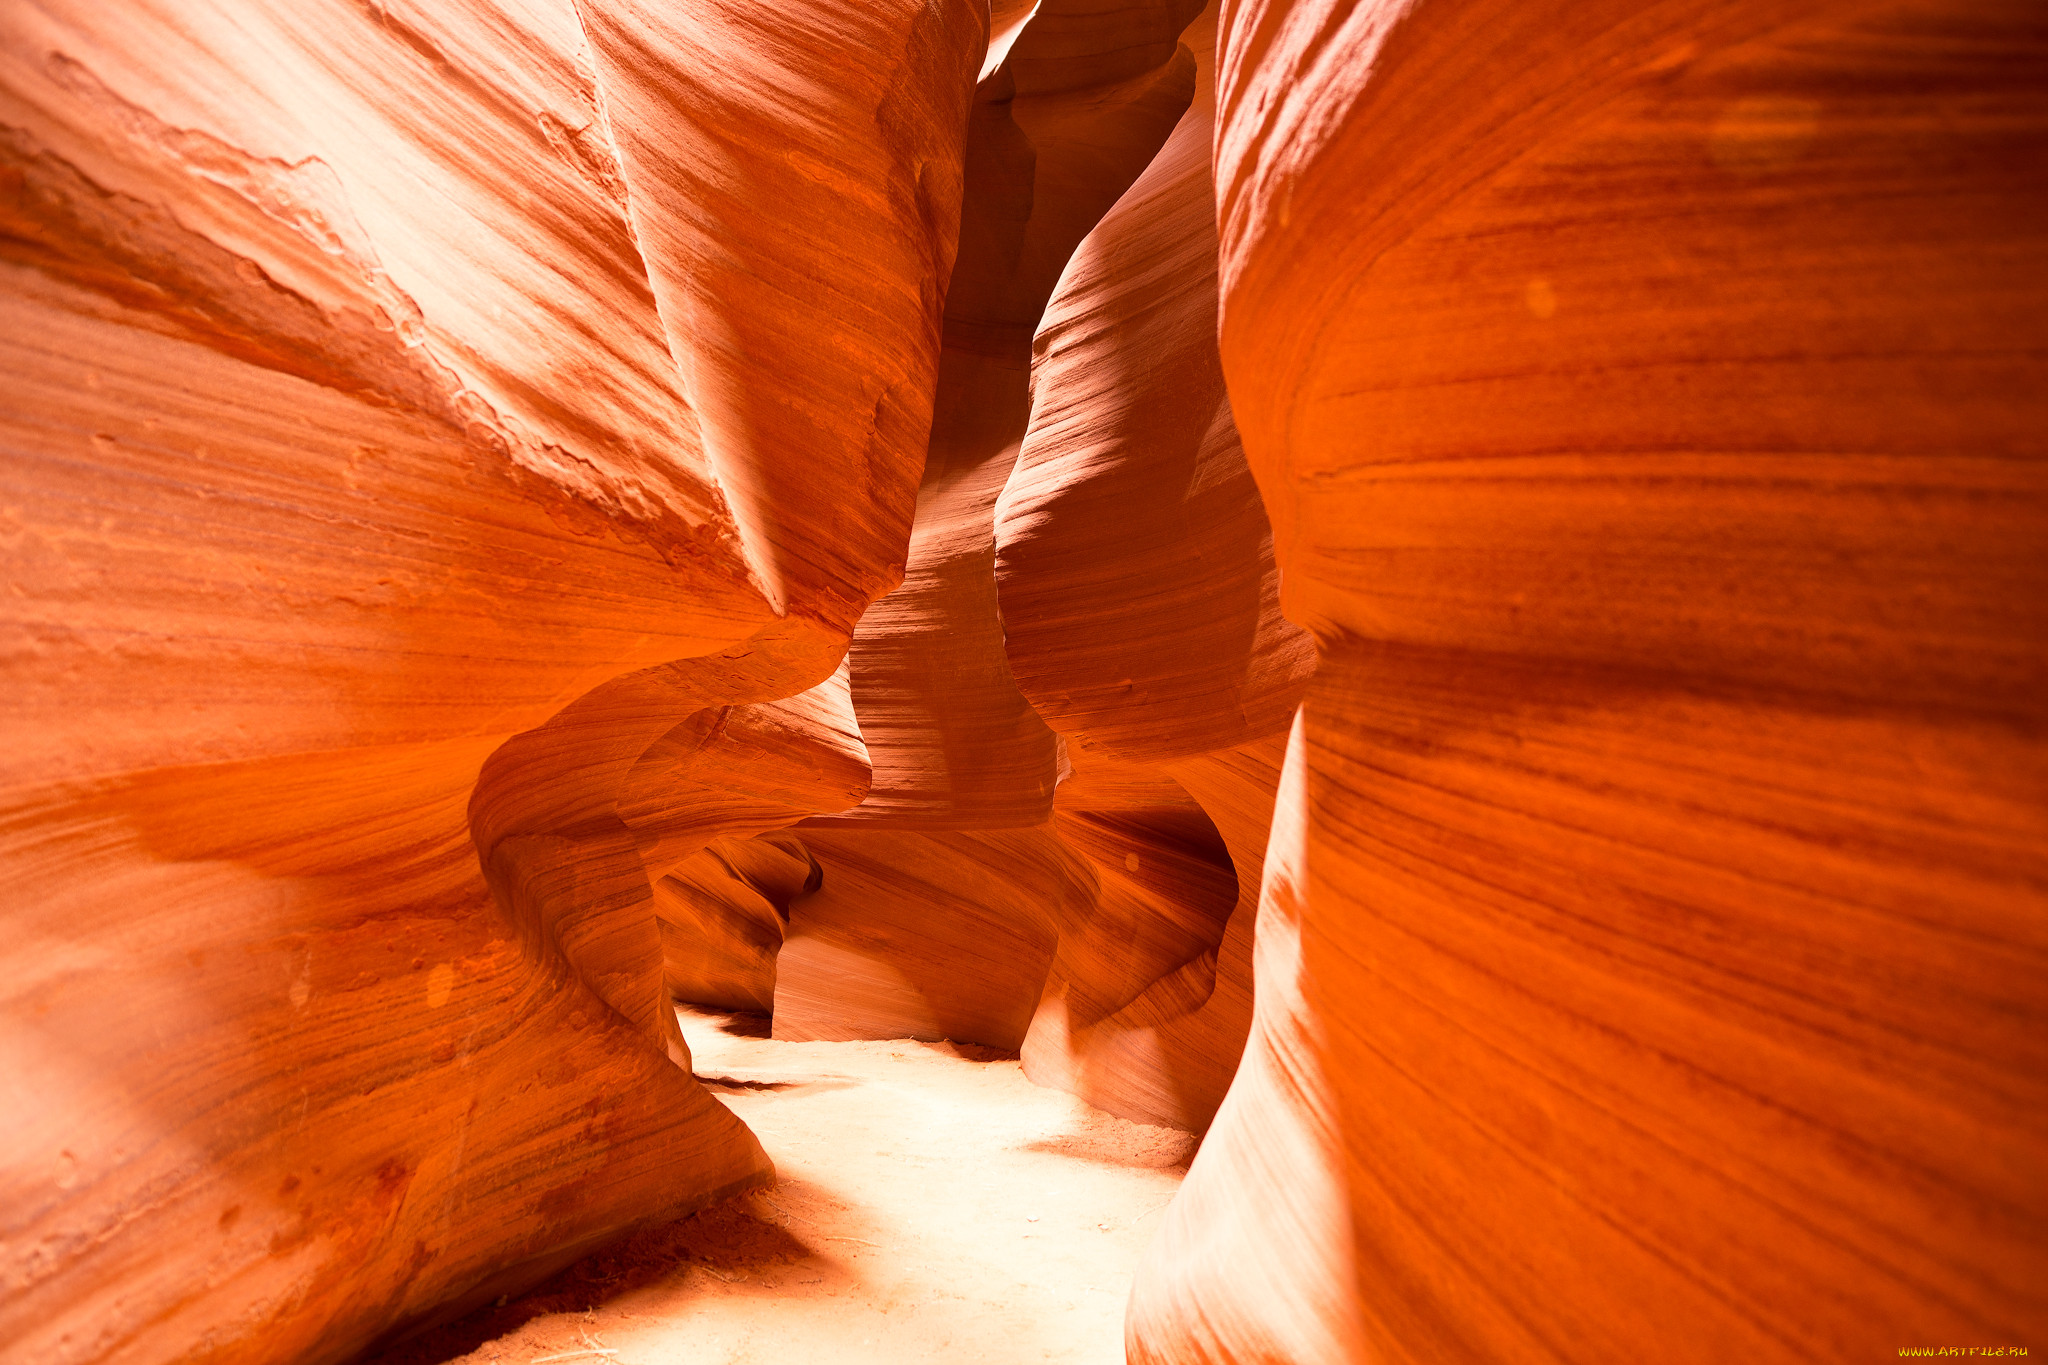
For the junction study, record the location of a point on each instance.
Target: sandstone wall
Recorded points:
(427, 474)
(1087, 653)
(1450, 593)
(1647, 402)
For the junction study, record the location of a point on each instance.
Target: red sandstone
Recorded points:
(1448, 595)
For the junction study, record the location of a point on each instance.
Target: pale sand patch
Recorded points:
(932, 1205)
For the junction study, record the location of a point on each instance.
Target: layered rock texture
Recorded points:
(1450, 594)
(1647, 400)
(437, 502)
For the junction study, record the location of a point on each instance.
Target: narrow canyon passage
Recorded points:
(1420, 626)
(931, 1204)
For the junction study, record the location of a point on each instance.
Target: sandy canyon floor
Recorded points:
(932, 1204)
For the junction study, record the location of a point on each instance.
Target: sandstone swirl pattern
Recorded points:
(383, 382)
(1142, 619)
(1647, 402)
(1450, 594)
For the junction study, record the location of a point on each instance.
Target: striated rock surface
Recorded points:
(1141, 616)
(1482, 558)
(1147, 1008)
(1134, 562)
(1090, 552)
(570, 820)
(429, 484)
(1075, 103)
(1649, 961)
(724, 912)
(924, 935)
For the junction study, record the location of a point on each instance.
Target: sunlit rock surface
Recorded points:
(399, 557)
(916, 935)
(1647, 402)
(1090, 131)
(724, 913)
(1450, 595)
(1141, 618)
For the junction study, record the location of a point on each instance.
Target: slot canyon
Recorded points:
(1306, 682)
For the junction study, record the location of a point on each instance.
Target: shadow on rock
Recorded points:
(728, 1240)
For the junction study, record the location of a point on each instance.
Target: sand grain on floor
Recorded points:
(932, 1204)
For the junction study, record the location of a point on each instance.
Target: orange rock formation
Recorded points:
(428, 471)
(462, 460)
(1647, 402)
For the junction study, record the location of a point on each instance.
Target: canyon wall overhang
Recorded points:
(438, 496)
(1449, 593)
(1647, 399)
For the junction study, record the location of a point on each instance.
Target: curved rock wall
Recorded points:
(1069, 115)
(724, 913)
(396, 394)
(1089, 555)
(1129, 887)
(1647, 402)
(924, 935)
(1142, 619)
(459, 457)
